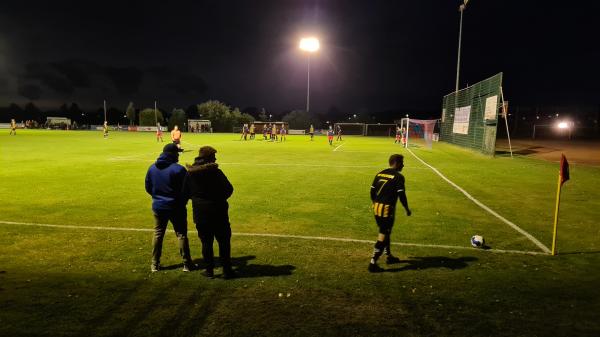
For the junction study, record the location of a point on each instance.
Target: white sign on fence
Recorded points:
(491, 107)
(461, 120)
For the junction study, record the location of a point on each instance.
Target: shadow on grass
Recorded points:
(244, 268)
(419, 263)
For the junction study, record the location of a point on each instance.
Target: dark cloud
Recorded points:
(30, 91)
(78, 72)
(3, 83)
(181, 82)
(65, 76)
(127, 80)
(47, 75)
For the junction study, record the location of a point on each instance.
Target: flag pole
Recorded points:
(105, 111)
(505, 115)
(155, 115)
(556, 215)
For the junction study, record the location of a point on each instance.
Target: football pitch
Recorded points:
(76, 233)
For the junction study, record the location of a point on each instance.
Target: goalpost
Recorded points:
(357, 129)
(385, 130)
(419, 128)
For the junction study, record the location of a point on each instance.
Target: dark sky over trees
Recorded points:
(376, 55)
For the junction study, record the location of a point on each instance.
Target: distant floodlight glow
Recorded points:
(563, 125)
(309, 44)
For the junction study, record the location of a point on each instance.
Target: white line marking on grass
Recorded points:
(369, 152)
(301, 165)
(126, 158)
(268, 235)
(275, 164)
(313, 165)
(334, 150)
(484, 207)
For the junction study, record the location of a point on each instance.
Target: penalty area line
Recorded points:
(337, 147)
(485, 207)
(282, 236)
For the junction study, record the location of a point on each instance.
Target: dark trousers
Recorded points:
(212, 222)
(223, 235)
(178, 218)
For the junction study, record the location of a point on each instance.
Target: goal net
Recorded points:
(382, 130)
(350, 128)
(419, 129)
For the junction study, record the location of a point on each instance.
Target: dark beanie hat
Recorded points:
(207, 153)
(171, 148)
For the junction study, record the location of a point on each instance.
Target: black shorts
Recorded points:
(385, 224)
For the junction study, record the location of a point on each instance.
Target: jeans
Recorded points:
(178, 218)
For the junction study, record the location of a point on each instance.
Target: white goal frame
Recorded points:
(394, 126)
(342, 124)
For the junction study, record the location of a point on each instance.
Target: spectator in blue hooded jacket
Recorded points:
(164, 182)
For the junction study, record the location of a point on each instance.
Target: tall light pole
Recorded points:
(309, 45)
(461, 9)
(155, 115)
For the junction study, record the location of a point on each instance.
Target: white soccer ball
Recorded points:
(477, 241)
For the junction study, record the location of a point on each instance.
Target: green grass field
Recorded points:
(76, 280)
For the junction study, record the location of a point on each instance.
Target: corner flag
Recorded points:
(564, 169)
(563, 176)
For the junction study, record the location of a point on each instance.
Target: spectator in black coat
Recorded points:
(209, 189)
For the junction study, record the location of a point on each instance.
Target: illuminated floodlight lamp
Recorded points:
(309, 44)
(563, 125)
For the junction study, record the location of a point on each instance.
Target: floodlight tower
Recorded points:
(309, 45)
(461, 9)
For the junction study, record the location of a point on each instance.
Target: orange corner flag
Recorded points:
(564, 169)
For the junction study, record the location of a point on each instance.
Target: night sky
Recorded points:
(375, 56)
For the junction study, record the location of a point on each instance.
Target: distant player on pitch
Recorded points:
(403, 131)
(398, 135)
(252, 131)
(105, 129)
(13, 128)
(158, 133)
(311, 132)
(282, 133)
(245, 131)
(339, 133)
(387, 187)
(330, 135)
(176, 137)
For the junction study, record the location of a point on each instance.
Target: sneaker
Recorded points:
(187, 267)
(373, 268)
(154, 267)
(392, 259)
(209, 273)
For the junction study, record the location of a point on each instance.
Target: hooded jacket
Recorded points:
(205, 184)
(164, 182)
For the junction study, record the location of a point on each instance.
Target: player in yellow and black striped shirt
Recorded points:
(387, 187)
